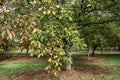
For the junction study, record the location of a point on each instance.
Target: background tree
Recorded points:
(90, 15)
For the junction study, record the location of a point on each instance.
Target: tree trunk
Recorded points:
(5, 49)
(68, 63)
(93, 50)
(119, 48)
(101, 50)
(88, 52)
(111, 49)
(21, 49)
(27, 50)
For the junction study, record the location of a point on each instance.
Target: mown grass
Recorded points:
(98, 60)
(12, 68)
(99, 67)
(21, 66)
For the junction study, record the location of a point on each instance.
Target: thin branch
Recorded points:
(98, 22)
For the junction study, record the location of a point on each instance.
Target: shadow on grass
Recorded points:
(107, 55)
(105, 63)
(12, 56)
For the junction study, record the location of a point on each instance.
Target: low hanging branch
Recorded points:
(98, 22)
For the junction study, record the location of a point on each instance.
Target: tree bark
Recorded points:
(119, 48)
(101, 50)
(88, 51)
(5, 48)
(68, 63)
(111, 49)
(27, 50)
(93, 50)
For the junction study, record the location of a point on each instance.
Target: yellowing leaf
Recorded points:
(53, 12)
(2, 16)
(39, 56)
(39, 9)
(49, 60)
(9, 34)
(48, 12)
(55, 56)
(13, 0)
(70, 19)
(60, 46)
(13, 33)
(57, 6)
(62, 53)
(35, 30)
(89, 5)
(55, 73)
(59, 69)
(56, 64)
(44, 12)
(21, 41)
(4, 7)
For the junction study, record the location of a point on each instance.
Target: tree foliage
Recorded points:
(47, 26)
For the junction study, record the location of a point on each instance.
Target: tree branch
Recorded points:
(98, 22)
(101, 9)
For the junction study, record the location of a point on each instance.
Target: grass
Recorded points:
(20, 67)
(107, 60)
(100, 67)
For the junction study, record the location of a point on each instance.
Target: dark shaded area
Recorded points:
(12, 56)
(107, 55)
(83, 61)
(41, 74)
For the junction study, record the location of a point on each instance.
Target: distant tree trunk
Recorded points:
(101, 50)
(21, 49)
(93, 50)
(114, 48)
(88, 51)
(111, 49)
(5, 48)
(27, 50)
(119, 48)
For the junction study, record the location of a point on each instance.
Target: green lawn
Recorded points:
(21, 67)
(100, 67)
(18, 66)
